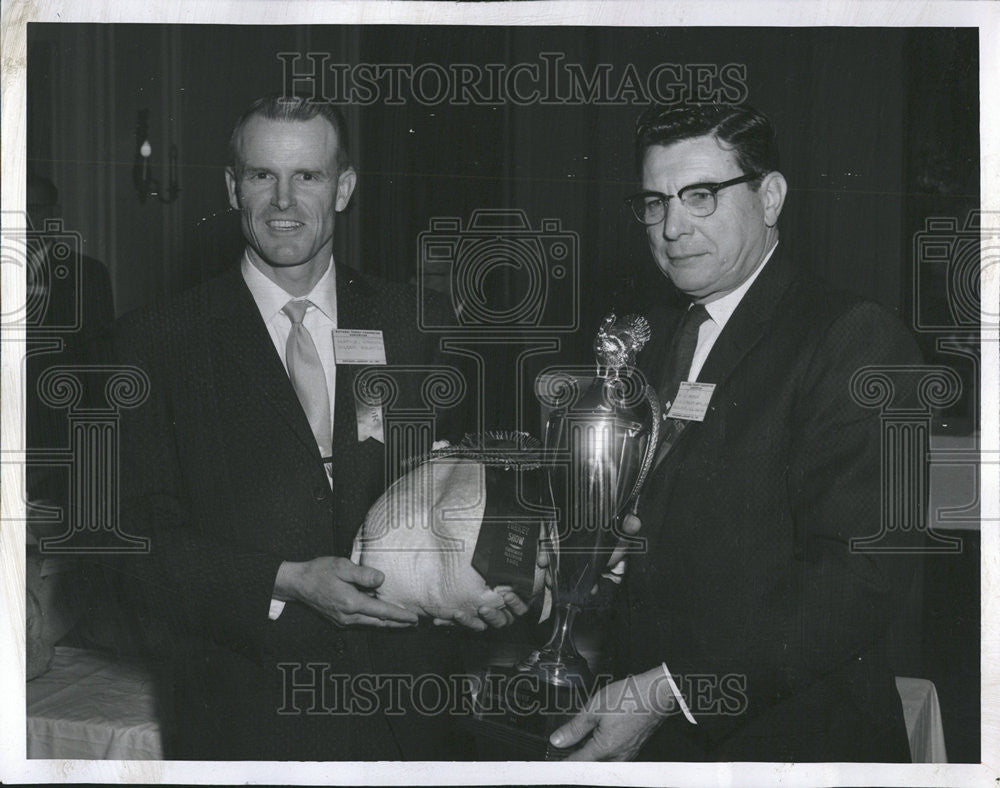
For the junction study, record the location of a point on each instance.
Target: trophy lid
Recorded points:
(619, 340)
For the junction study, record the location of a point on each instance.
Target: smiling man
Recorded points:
(751, 629)
(250, 473)
(289, 180)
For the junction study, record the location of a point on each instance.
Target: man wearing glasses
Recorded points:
(750, 629)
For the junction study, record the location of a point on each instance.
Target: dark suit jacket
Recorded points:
(221, 471)
(749, 580)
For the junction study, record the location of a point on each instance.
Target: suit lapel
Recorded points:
(749, 322)
(355, 309)
(742, 331)
(245, 353)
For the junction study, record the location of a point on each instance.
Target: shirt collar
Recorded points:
(722, 309)
(271, 298)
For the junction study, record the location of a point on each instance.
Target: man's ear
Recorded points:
(772, 193)
(234, 200)
(346, 182)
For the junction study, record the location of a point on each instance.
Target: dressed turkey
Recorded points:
(422, 534)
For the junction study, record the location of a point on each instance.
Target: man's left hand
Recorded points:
(618, 719)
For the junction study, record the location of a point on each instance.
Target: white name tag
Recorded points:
(358, 346)
(691, 403)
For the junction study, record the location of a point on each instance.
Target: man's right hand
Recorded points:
(339, 590)
(630, 525)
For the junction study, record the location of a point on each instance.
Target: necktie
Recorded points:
(682, 351)
(307, 376)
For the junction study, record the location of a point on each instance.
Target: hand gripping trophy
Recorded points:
(468, 518)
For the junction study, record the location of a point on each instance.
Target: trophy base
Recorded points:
(513, 713)
(568, 670)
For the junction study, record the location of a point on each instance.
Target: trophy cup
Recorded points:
(598, 451)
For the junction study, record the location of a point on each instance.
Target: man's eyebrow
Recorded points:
(706, 179)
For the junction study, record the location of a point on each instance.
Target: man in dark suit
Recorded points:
(750, 627)
(281, 650)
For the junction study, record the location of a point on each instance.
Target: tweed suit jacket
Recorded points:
(221, 471)
(749, 589)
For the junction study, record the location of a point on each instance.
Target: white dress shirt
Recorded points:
(720, 311)
(320, 320)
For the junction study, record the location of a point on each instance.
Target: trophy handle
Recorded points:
(548, 442)
(654, 439)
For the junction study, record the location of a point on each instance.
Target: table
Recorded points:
(92, 706)
(922, 713)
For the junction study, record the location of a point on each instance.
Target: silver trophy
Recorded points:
(599, 450)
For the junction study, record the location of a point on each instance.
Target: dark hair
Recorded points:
(748, 132)
(293, 108)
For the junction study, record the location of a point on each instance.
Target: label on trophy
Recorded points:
(507, 546)
(691, 402)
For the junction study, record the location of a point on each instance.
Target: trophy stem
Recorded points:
(558, 662)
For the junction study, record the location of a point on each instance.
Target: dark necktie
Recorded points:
(678, 366)
(682, 351)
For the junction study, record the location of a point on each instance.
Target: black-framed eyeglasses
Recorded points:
(699, 199)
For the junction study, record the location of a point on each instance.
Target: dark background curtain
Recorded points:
(878, 130)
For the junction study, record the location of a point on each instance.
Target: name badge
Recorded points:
(691, 402)
(358, 346)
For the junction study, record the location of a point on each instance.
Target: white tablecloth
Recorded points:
(923, 720)
(92, 706)
(954, 483)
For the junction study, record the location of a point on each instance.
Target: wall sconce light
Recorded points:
(145, 184)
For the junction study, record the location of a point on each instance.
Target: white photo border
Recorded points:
(14, 768)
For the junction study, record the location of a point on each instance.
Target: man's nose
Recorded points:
(676, 220)
(283, 195)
